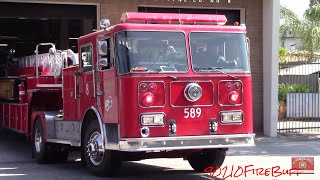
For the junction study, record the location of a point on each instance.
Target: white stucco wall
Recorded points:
(271, 25)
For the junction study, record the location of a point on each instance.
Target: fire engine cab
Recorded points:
(156, 85)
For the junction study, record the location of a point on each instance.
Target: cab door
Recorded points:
(107, 96)
(87, 86)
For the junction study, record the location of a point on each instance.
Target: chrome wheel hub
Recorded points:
(37, 141)
(95, 149)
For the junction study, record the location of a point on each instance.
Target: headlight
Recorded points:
(152, 119)
(231, 117)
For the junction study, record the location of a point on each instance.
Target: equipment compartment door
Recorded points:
(70, 90)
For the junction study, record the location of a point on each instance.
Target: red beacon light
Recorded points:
(233, 97)
(170, 18)
(148, 99)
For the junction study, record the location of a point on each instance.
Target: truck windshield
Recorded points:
(147, 52)
(224, 51)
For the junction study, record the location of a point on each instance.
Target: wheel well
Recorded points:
(88, 117)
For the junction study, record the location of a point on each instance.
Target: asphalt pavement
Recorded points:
(16, 162)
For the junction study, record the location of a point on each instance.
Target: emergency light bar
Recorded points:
(170, 18)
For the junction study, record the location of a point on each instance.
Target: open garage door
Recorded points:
(24, 25)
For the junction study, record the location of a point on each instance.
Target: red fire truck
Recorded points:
(155, 85)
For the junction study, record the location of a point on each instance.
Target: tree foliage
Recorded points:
(308, 29)
(289, 18)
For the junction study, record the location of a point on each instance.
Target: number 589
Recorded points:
(192, 112)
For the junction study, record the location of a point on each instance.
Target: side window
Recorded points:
(87, 58)
(104, 56)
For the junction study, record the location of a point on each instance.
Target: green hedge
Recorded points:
(284, 89)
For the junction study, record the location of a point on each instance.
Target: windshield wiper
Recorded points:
(167, 75)
(216, 69)
(173, 77)
(143, 69)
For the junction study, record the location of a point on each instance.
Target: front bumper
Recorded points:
(186, 142)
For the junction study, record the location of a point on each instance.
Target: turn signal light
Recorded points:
(233, 97)
(229, 86)
(143, 87)
(148, 99)
(237, 85)
(153, 86)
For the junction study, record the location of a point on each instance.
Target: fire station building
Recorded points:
(25, 23)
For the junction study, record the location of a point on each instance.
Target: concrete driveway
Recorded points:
(16, 162)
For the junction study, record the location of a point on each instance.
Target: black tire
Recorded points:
(110, 163)
(202, 160)
(40, 151)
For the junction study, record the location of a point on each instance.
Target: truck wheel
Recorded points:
(39, 148)
(202, 160)
(99, 161)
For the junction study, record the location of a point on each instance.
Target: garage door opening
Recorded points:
(231, 14)
(24, 25)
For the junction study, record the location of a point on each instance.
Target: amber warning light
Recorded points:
(170, 18)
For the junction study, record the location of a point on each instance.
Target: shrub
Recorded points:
(284, 89)
(283, 55)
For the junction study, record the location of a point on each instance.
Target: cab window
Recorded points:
(104, 56)
(87, 58)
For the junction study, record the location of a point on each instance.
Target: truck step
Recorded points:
(64, 141)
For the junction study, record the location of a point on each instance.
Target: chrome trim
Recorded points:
(94, 82)
(49, 85)
(101, 125)
(50, 123)
(164, 91)
(220, 117)
(153, 113)
(242, 96)
(186, 142)
(42, 90)
(187, 93)
(75, 87)
(64, 141)
(147, 132)
(190, 81)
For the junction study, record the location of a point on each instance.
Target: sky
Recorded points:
(297, 6)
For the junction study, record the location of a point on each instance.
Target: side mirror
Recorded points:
(103, 62)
